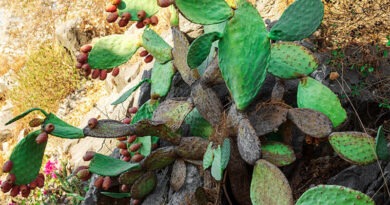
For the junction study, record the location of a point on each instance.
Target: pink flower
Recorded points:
(50, 168)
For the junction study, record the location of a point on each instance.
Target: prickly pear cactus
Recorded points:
(25, 113)
(243, 57)
(200, 48)
(333, 194)
(162, 75)
(100, 163)
(198, 125)
(381, 145)
(144, 185)
(156, 46)
(134, 6)
(172, 112)
(354, 147)
(277, 153)
(145, 111)
(128, 93)
(63, 129)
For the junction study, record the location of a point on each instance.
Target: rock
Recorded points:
(144, 94)
(6, 115)
(159, 195)
(189, 28)
(272, 9)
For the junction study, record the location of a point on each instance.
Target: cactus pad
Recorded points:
(354, 147)
(159, 158)
(147, 127)
(178, 176)
(277, 153)
(269, 185)
(146, 145)
(130, 177)
(108, 129)
(172, 112)
(208, 156)
(312, 94)
(310, 122)
(145, 111)
(108, 166)
(116, 195)
(204, 11)
(333, 194)
(200, 48)
(26, 113)
(216, 166)
(112, 51)
(381, 145)
(128, 93)
(133, 6)
(156, 46)
(144, 185)
(198, 125)
(162, 75)
(27, 158)
(289, 60)
(243, 57)
(268, 117)
(248, 142)
(192, 148)
(298, 21)
(63, 129)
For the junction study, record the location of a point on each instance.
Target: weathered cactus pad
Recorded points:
(289, 60)
(381, 145)
(100, 163)
(243, 56)
(248, 143)
(116, 195)
(147, 127)
(172, 112)
(333, 194)
(27, 158)
(63, 129)
(314, 95)
(204, 11)
(108, 128)
(130, 177)
(268, 117)
(112, 51)
(178, 176)
(145, 111)
(200, 48)
(159, 158)
(298, 21)
(310, 122)
(133, 6)
(192, 148)
(162, 75)
(277, 153)
(144, 185)
(354, 147)
(269, 185)
(156, 46)
(198, 125)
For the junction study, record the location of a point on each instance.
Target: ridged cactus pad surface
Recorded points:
(134, 6)
(269, 185)
(112, 51)
(27, 158)
(314, 95)
(156, 46)
(243, 57)
(332, 195)
(298, 21)
(289, 60)
(277, 153)
(162, 75)
(200, 48)
(204, 11)
(108, 166)
(354, 147)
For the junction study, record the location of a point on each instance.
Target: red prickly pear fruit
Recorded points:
(87, 71)
(164, 3)
(111, 8)
(84, 174)
(82, 58)
(121, 145)
(137, 158)
(106, 183)
(154, 146)
(141, 15)
(124, 188)
(86, 48)
(121, 138)
(133, 110)
(135, 147)
(103, 75)
(115, 72)
(7, 166)
(49, 128)
(36, 122)
(153, 20)
(92, 123)
(126, 159)
(79, 65)
(112, 17)
(33, 184)
(40, 182)
(109, 70)
(135, 202)
(42, 138)
(125, 152)
(148, 59)
(95, 73)
(79, 168)
(126, 16)
(115, 2)
(88, 155)
(143, 53)
(11, 178)
(99, 182)
(123, 22)
(14, 191)
(40, 175)
(146, 21)
(6, 187)
(86, 67)
(25, 191)
(139, 24)
(131, 139)
(127, 120)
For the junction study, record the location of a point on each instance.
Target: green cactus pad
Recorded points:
(159, 158)
(198, 125)
(63, 129)
(204, 11)
(200, 48)
(269, 185)
(130, 177)
(27, 158)
(268, 117)
(152, 128)
(112, 51)
(314, 95)
(248, 143)
(208, 156)
(216, 166)
(311, 122)
(146, 145)
(381, 145)
(26, 113)
(354, 147)
(116, 195)
(144, 185)
(108, 166)
(225, 153)
(145, 111)
(156, 46)
(162, 75)
(172, 112)
(298, 21)
(289, 60)
(243, 56)
(333, 194)
(277, 153)
(192, 148)
(128, 93)
(133, 6)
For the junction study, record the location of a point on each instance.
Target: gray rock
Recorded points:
(160, 194)
(189, 28)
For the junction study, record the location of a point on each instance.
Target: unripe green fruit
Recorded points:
(112, 17)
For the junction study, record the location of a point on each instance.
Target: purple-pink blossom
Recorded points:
(50, 168)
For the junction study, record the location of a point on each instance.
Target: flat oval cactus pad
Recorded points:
(172, 112)
(198, 125)
(144, 185)
(133, 6)
(27, 158)
(162, 75)
(277, 153)
(63, 129)
(112, 51)
(311, 122)
(108, 166)
(156, 46)
(200, 48)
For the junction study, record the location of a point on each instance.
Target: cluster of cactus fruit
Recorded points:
(236, 50)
